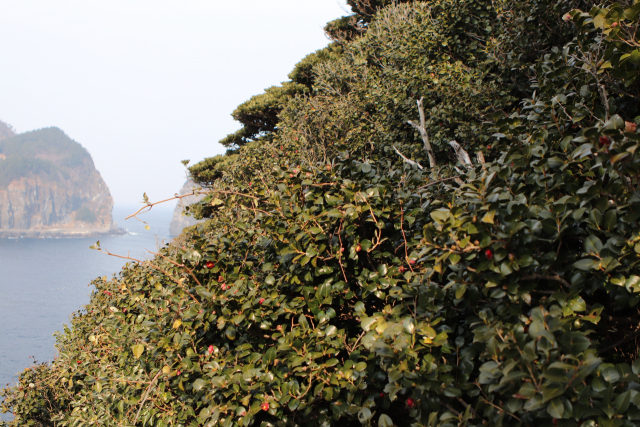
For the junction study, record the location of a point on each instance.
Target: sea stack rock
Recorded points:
(49, 187)
(180, 221)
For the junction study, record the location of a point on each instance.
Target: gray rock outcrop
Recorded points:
(180, 221)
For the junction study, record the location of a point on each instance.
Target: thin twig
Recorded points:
(436, 182)
(179, 265)
(146, 394)
(148, 205)
(542, 276)
(622, 341)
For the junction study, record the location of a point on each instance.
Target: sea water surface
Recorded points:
(43, 281)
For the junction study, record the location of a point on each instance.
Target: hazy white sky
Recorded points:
(143, 84)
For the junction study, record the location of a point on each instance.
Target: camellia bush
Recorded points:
(368, 289)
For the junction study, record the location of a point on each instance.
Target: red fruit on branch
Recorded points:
(381, 394)
(264, 406)
(615, 24)
(358, 247)
(261, 300)
(603, 140)
(412, 261)
(489, 254)
(402, 269)
(210, 264)
(220, 279)
(223, 287)
(210, 349)
(410, 403)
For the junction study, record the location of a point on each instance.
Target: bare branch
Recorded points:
(461, 153)
(411, 162)
(148, 206)
(480, 157)
(146, 394)
(555, 277)
(423, 133)
(436, 182)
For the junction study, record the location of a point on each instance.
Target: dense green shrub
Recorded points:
(57, 155)
(85, 215)
(354, 289)
(15, 167)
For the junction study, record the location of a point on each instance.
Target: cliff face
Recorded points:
(179, 221)
(49, 187)
(5, 131)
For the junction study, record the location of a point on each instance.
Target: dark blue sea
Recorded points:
(43, 281)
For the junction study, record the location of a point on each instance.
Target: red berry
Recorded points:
(178, 373)
(381, 394)
(224, 287)
(261, 300)
(79, 362)
(488, 254)
(210, 349)
(412, 261)
(410, 403)
(402, 269)
(358, 247)
(615, 24)
(603, 140)
(489, 147)
(220, 279)
(210, 264)
(264, 406)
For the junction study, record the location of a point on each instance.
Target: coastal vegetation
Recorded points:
(433, 223)
(46, 152)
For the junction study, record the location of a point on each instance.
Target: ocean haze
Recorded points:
(43, 281)
(145, 84)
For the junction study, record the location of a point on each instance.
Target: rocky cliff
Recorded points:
(49, 187)
(6, 131)
(180, 221)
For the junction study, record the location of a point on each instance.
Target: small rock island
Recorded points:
(49, 187)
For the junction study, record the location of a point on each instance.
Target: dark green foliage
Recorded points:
(210, 169)
(85, 215)
(259, 115)
(335, 285)
(47, 152)
(16, 167)
(303, 71)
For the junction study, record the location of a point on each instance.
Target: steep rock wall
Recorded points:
(53, 191)
(180, 221)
